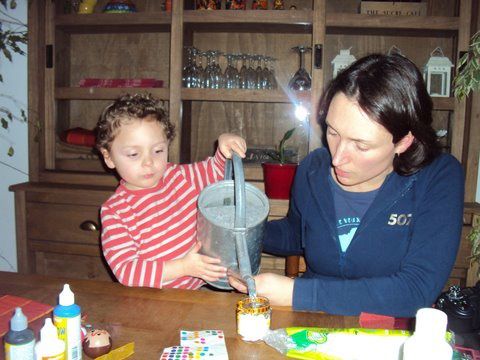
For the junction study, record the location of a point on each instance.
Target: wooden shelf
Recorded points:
(359, 21)
(444, 103)
(112, 23)
(236, 95)
(95, 93)
(249, 17)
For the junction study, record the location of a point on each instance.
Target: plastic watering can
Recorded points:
(231, 223)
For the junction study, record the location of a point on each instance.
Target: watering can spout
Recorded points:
(251, 288)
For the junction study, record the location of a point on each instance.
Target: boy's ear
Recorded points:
(404, 143)
(106, 157)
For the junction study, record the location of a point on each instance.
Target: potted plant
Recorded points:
(278, 174)
(474, 239)
(468, 68)
(466, 81)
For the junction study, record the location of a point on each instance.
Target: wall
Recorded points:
(13, 169)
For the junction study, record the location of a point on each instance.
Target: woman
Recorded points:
(378, 214)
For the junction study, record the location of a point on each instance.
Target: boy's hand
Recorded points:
(231, 142)
(202, 266)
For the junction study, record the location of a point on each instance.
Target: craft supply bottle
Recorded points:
(253, 318)
(50, 347)
(67, 319)
(428, 340)
(20, 340)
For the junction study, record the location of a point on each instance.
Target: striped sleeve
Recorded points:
(121, 254)
(206, 172)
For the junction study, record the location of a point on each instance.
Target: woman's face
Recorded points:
(362, 150)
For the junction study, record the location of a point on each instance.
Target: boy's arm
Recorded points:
(212, 170)
(206, 172)
(120, 252)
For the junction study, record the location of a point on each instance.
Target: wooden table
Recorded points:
(153, 318)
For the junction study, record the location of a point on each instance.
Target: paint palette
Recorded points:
(204, 344)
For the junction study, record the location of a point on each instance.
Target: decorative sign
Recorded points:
(393, 8)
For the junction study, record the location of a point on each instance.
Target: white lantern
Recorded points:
(437, 74)
(342, 61)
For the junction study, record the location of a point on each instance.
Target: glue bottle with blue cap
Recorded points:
(67, 319)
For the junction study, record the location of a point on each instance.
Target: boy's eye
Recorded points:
(132, 155)
(157, 151)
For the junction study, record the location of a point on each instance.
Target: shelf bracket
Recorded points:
(49, 56)
(318, 56)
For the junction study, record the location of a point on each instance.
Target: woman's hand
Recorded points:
(277, 288)
(194, 264)
(231, 142)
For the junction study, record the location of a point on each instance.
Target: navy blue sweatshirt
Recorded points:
(400, 256)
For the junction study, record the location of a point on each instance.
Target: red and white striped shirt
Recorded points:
(141, 229)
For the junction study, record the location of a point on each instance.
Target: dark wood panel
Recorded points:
(59, 222)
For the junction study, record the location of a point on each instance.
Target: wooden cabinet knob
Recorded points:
(89, 225)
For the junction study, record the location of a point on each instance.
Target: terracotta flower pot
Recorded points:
(278, 179)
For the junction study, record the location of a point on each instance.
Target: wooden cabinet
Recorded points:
(58, 230)
(150, 44)
(65, 48)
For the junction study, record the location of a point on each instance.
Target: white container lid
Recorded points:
(431, 322)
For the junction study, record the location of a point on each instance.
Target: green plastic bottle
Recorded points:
(20, 340)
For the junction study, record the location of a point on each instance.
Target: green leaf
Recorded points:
(7, 54)
(288, 134)
(10, 151)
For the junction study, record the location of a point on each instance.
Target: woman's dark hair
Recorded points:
(390, 90)
(126, 109)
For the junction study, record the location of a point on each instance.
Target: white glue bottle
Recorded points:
(67, 319)
(428, 340)
(50, 347)
(20, 340)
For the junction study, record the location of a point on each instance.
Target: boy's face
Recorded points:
(139, 153)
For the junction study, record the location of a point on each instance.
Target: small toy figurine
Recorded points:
(119, 7)
(260, 4)
(201, 4)
(212, 5)
(238, 5)
(97, 343)
(278, 5)
(87, 6)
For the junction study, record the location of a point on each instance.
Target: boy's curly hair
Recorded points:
(127, 108)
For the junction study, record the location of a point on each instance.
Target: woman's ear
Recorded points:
(107, 159)
(404, 143)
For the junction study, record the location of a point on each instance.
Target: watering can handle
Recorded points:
(228, 170)
(240, 221)
(240, 196)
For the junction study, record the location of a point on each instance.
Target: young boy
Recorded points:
(149, 223)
